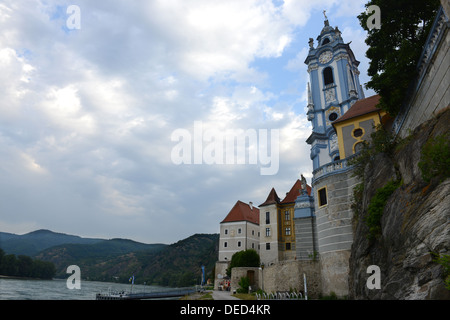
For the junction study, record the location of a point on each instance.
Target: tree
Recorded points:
(245, 258)
(25, 266)
(2, 254)
(9, 265)
(43, 269)
(395, 47)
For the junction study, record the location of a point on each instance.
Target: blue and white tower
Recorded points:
(333, 88)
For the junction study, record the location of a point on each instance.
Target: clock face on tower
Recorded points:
(325, 57)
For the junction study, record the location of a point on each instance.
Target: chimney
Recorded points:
(251, 205)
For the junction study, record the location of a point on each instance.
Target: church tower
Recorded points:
(333, 88)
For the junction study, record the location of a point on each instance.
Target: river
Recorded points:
(18, 289)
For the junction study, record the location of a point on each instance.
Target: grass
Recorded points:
(245, 296)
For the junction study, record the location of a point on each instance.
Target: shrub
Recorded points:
(376, 207)
(244, 283)
(444, 261)
(435, 158)
(245, 258)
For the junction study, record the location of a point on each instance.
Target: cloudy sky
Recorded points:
(93, 103)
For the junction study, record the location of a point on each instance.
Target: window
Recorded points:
(267, 246)
(287, 215)
(328, 76)
(357, 133)
(225, 244)
(253, 245)
(333, 116)
(267, 232)
(239, 244)
(253, 232)
(288, 246)
(337, 158)
(267, 217)
(287, 231)
(226, 231)
(322, 197)
(239, 231)
(325, 41)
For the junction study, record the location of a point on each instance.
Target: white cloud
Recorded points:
(298, 63)
(89, 113)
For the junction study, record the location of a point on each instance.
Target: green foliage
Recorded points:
(444, 261)
(314, 256)
(175, 265)
(435, 158)
(358, 192)
(381, 141)
(24, 266)
(179, 264)
(376, 207)
(395, 48)
(243, 283)
(245, 258)
(331, 296)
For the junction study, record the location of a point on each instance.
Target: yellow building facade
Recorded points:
(357, 124)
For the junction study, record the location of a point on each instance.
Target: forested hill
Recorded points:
(173, 265)
(178, 264)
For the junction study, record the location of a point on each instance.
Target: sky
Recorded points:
(108, 106)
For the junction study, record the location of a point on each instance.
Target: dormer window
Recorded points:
(328, 76)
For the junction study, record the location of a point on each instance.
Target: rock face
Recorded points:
(415, 224)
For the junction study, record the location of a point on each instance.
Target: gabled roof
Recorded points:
(272, 198)
(243, 212)
(361, 107)
(292, 195)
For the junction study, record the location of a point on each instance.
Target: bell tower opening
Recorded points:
(328, 76)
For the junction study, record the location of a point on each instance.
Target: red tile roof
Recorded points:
(292, 195)
(242, 212)
(271, 198)
(360, 108)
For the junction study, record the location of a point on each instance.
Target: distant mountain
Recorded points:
(32, 243)
(180, 264)
(174, 265)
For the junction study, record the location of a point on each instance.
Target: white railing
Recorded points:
(280, 296)
(332, 167)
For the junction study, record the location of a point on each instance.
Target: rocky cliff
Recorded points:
(414, 223)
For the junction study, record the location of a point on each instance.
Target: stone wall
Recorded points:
(334, 268)
(288, 275)
(334, 230)
(254, 273)
(431, 92)
(283, 276)
(305, 238)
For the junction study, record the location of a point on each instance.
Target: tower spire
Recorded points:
(326, 18)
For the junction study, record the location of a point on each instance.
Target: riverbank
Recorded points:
(218, 295)
(21, 278)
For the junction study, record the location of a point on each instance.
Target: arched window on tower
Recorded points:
(325, 41)
(328, 76)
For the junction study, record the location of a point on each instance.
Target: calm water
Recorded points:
(13, 289)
